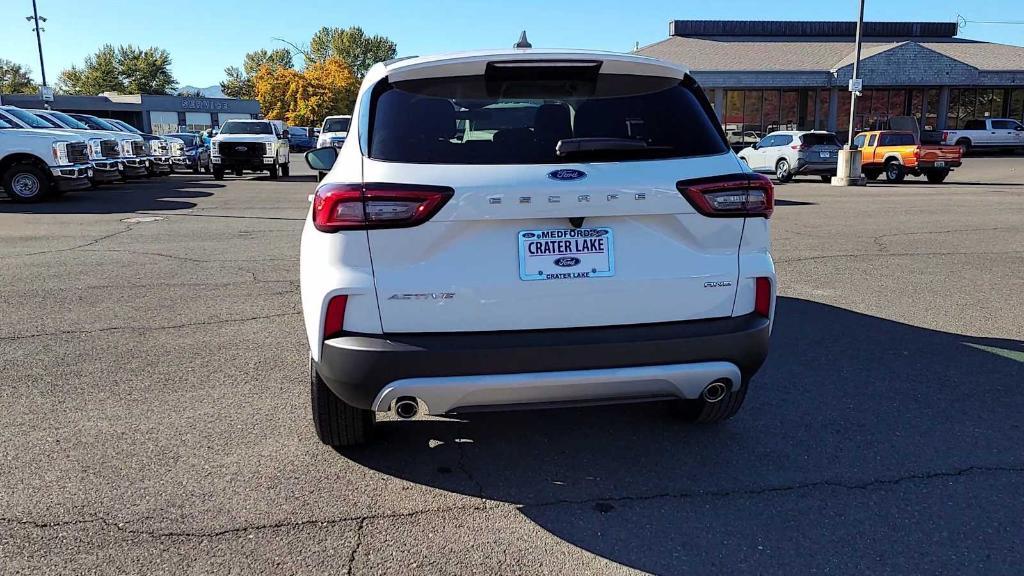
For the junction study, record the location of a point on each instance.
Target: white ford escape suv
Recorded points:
(529, 228)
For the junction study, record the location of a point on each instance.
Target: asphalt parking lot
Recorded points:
(155, 412)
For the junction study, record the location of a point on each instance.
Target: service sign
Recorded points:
(567, 254)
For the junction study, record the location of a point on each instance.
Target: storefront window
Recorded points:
(733, 110)
(198, 121)
(790, 110)
(772, 110)
(1017, 104)
(843, 115)
(824, 98)
(807, 100)
(968, 101)
(953, 115)
(163, 122)
(931, 119)
(752, 110)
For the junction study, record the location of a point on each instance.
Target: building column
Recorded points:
(833, 109)
(943, 111)
(720, 104)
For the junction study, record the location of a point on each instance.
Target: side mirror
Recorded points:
(322, 159)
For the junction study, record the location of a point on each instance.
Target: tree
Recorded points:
(353, 46)
(125, 69)
(15, 78)
(196, 93)
(239, 81)
(305, 98)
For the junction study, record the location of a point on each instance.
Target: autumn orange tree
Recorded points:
(304, 98)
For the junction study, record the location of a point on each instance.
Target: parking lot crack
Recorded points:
(357, 546)
(755, 492)
(880, 242)
(77, 247)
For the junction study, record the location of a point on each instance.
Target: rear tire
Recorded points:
(937, 176)
(783, 171)
(965, 146)
(218, 173)
(337, 423)
(894, 172)
(285, 169)
(26, 183)
(701, 411)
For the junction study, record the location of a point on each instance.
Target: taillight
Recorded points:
(372, 206)
(334, 321)
(733, 196)
(763, 296)
(945, 136)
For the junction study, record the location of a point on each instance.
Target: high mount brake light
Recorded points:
(371, 206)
(732, 196)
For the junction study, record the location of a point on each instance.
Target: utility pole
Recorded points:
(39, 38)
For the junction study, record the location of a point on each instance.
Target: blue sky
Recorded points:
(204, 36)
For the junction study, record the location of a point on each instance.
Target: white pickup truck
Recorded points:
(256, 145)
(987, 133)
(38, 164)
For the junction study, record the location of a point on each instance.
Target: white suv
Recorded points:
(788, 154)
(526, 228)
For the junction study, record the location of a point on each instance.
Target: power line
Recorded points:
(963, 22)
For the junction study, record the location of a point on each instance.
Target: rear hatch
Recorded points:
(528, 238)
(819, 148)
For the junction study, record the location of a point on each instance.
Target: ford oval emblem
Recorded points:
(567, 174)
(567, 261)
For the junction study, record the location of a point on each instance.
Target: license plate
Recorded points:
(940, 164)
(567, 254)
(826, 154)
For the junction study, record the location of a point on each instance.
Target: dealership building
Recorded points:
(157, 114)
(765, 76)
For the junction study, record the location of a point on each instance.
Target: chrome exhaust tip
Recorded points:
(406, 407)
(715, 391)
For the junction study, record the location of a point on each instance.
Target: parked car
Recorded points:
(740, 139)
(792, 153)
(166, 150)
(197, 154)
(334, 131)
(898, 153)
(37, 164)
(603, 244)
(986, 133)
(256, 145)
(300, 138)
(117, 158)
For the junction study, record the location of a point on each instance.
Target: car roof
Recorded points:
(474, 62)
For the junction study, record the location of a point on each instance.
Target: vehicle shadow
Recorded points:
(160, 193)
(781, 202)
(849, 411)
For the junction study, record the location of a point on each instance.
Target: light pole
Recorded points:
(848, 170)
(853, 78)
(36, 19)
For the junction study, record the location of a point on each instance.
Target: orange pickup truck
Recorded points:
(896, 154)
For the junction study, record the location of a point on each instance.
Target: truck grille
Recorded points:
(241, 150)
(78, 152)
(138, 148)
(109, 149)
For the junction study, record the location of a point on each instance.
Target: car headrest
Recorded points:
(553, 122)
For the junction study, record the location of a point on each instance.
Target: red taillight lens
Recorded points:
(363, 207)
(763, 296)
(945, 136)
(732, 196)
(334, 321)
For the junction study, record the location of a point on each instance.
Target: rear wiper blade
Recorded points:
(568, 146)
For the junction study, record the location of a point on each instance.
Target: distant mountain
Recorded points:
(210, 91)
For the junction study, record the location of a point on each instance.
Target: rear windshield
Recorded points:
(520, 118)
(337, 125)
(896, 140)
(231, 127)
(819, 140)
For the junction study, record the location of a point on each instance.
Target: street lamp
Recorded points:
(36, 18)
(848, 171)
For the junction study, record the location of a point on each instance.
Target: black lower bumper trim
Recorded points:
(358, 366)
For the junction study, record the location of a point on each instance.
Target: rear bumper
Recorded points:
(931, 164)
(466, 371)
(827, 168)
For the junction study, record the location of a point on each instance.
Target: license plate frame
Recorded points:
(566, 254)
(940, 164)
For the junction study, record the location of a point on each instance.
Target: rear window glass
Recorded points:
(897, 140)
(819, 140)
(336, 124)
(522, 118)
